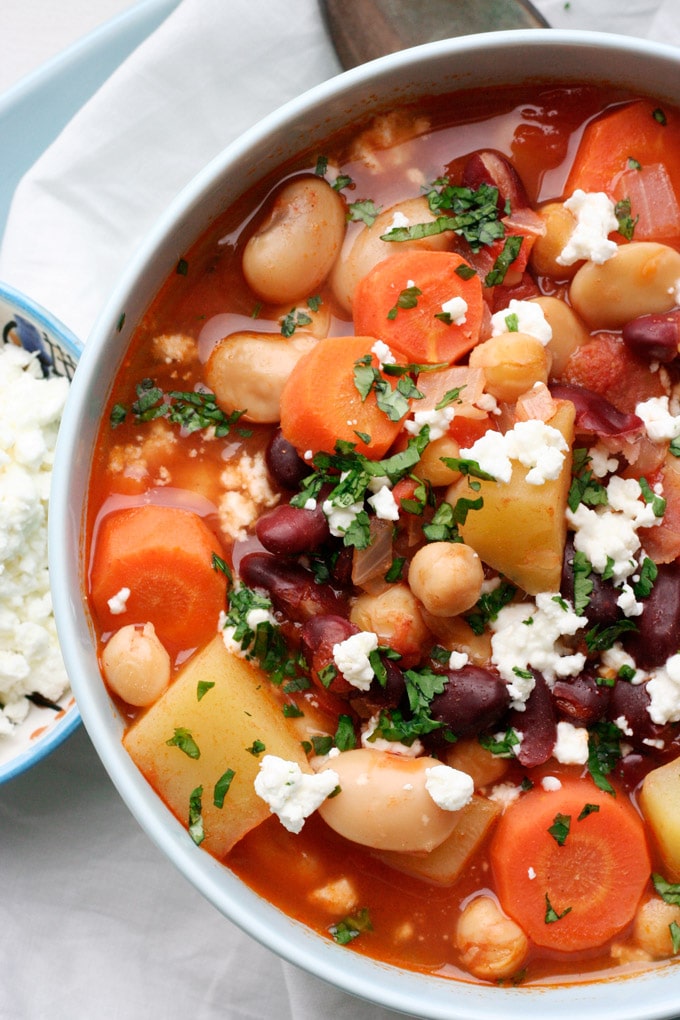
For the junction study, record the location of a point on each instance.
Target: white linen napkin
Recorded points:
(134, 938)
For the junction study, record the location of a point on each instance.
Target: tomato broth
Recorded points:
(383, 541)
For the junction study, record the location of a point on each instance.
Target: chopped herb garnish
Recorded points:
(182, 267)
(356, 924)
(183, 739)
(394, 574)
(314, 302)
(345, 737)
(291, 710)
(604, 753)
(601, 639)
(583, 586)
(196, 816)
(202, 688)
(559, 830)
(365, 211)
(626, 673)
(512, 322)
(551, 914)
(657, 503)
(256, 748)
(674, 447)
(660, 117)
(292, 320)
(408, 298)
(584, 488)
(647, 575)
(588, 809)
(342, 181)
(118, 415)
(502, 745)
(465, 271)
(321, 745)
(504, 260)
(489, 606)
(674, 929)
(192, 410)
(626, 222)
(321, 166)
(668, 891)
(222, 787)
(633, 164)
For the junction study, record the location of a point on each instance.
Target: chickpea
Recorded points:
(492, 946)
(395, 616)
(568, 332)
(249, 370)
(559, 226)
(642, 277)
(446, 577)
(136, 665)
(367, 249)
(383, 802)
(512, 363)
(431, 467)
(651, 928)
(468, 755)
(292, 251)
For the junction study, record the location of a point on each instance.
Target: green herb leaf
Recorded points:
(202, 688)
(183, 739)
(222, 787)
(408, 298)
(354, 925)
(660, 117)
(551, 914)
(489, 606)
(647, 575)
(588, 809)
(583, 586)
(292, 320)
(195, 824)
(604, 753)
(668, 891)
(256, 748)
(601, 639)
(626, 222)
(657, 503)
(345, 737)
(364, 211)
(559, 830)
(291, 711)
(502, 746)
(507, 256)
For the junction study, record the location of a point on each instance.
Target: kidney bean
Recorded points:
(492, 168)
(536, 724)
(602, 608)
(594, 413)
(658, 627)
(654, 336)
(580, 699)
(628, 708)
(285, 465)
(292, 589)
(319, 635)
(474, 699)
(290, 530)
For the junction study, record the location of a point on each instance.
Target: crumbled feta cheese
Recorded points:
(438, 421)
(601, 463)
(516, 648)
(663, 688)
(341, 518)
(456, 308)
(531, 873)
(571, 746)
(398, 220)
(537, 446)
(505, 794)
(607, 535)
(627, 602)
(247, 493)
(413, 750)
(659, 423)
(384, 504)
(530, 319)
(351, 656)
(383, 353)
(177, 348)
(118, 603)
(30, 658)
(449, 788)
(551, 784)
(458, 659)
(338, 897)
(622, 723)
(615, 657)
(291, 793)
(595, 220)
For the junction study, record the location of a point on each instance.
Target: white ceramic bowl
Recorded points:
(473, 61)
(22, 320)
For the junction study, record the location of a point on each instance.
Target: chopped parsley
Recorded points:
(191, 410)
(294, 319)
(470, 213)
(626, 222)
(408, 298)
(195, 824)
(647, 575)
(588, 809)
(510, 251)
(256, 748)
(291, 710)
(660, 117)
(584, 487)
(604, 753)
(264, 643)
(502, 745)
(489, 606)
(392, 401)
(345, 737)
(183, 739)
(202, 688)
(657, 503)
(182, 267)
(354, 925)
(222, 787)
(559, 830)
(668, 891)
(633, 163)
(600, 639)
(364, 211)
(551, 914)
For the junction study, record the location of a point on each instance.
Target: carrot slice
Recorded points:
(320, 402)
(383, 305)
(164, 556)
(639, 133)
(570, 890)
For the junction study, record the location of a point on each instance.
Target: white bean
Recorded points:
(492, 946)
(247, 372)
(136, 665)
(642, 277)
(383, 802)
(292, 251)
(367, 249)
(446, 577)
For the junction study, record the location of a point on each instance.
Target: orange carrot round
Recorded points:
(164, 556)
(404, 300)
(570, 865)
(320, 402)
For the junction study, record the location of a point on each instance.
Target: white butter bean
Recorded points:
(292, 251)
(384, 804)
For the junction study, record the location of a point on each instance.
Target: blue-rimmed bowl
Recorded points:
(480, 61)
(24, 322)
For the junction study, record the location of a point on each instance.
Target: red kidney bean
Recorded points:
(490, 167)
(474, 699)
(655, 336)
(602, 608)
(292, 589)
(630, 702)
(290, 530)
(580, 699)
(285, 465)
(319, 635)
(594, 413)
(536, 724)
(658, 627)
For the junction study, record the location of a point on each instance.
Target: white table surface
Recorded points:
(94, 922)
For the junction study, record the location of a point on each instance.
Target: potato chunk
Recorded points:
(660, 804)
(238, 710)
(521, 529)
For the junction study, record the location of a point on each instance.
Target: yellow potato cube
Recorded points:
(660, 804)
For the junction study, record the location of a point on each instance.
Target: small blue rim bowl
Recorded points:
(21, 319)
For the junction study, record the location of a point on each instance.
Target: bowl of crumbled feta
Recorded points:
(38, 357)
